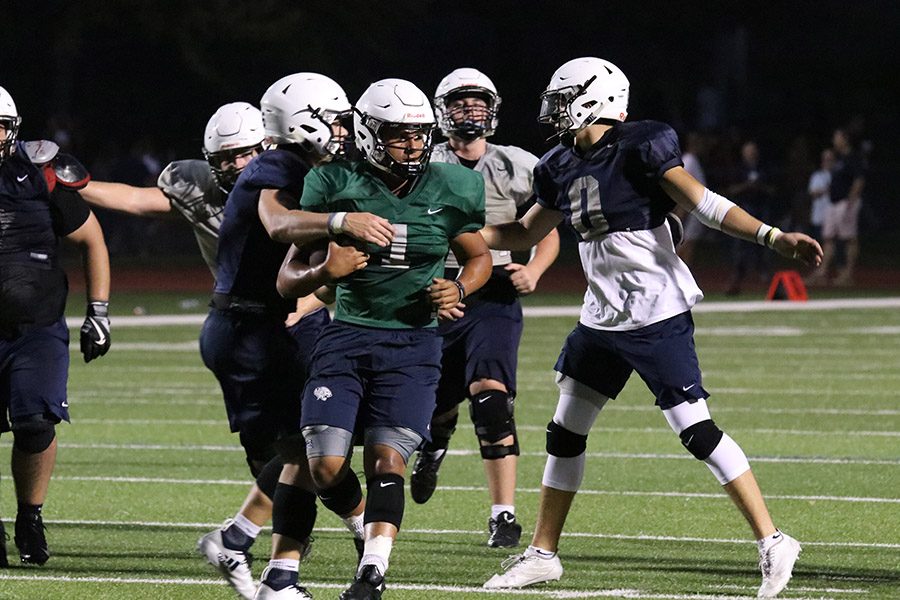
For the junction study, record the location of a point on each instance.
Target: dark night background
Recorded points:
(130, 76)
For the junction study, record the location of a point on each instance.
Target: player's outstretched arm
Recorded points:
(95, 338)
(533, 227)
(141, 201)
(300, 275)
(718, 212)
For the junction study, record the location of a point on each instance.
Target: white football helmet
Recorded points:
(302, 109)
(462, 83)
(234, 130)
(581, 92)
(10, 119)
(395, 104)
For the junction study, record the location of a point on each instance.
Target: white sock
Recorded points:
(496, 509)
(768, 541)
(285, 564)
(356, 525)
(539, 552)
(377, 552)
(246, 526)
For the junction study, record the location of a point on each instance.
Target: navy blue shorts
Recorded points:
(388, 376)
(663, 355)
(34, 368)
(484, 344)
(261, 368)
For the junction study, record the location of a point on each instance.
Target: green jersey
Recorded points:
(389, 293)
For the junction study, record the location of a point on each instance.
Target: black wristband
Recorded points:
(98, 308)
(461, 288)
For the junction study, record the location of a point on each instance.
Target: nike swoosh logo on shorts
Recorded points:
(22, 178)
(687, 387)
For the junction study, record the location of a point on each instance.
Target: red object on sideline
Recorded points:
(787, 285)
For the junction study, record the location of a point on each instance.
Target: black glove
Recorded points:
(95, 331)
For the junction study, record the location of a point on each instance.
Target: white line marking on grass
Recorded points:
(465, 488)
(570, 311)
(473, 532)
(666, 430)
(868, 412)
(216, 422)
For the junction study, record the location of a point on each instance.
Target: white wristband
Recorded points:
(761, 234)
(335, 223)
(712, 209)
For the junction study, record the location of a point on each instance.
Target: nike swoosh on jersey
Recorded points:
(22, 178)
(434, 211)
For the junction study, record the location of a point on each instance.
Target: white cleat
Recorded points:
(776, 565)
(234, 565)
(291, 592)
(526, 569)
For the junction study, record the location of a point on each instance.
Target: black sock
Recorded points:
(30, 510)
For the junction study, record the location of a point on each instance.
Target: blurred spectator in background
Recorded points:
(819, 193)
(751, 190)
(842, 218)
(694, 147)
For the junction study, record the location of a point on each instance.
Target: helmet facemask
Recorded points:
(556, 111)
(223, 164)
(468, 120)
(397, 136)
(11, 125)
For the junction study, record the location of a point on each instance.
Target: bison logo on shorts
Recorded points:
(322, 393)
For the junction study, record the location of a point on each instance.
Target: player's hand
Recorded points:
(343, 260)
(368, 227)
(453, 314)
(95, 331)
(523, 279)
(444, 293)
(799, 246)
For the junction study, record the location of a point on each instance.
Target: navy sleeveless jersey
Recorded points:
(614, 186)
(248, 258)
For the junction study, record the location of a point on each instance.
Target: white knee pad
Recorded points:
(726, 461)
(576, 412)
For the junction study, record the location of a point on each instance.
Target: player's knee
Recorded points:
(268, 476)
(392, 447)
(34, 435)
(701, 438)
(327, 471)
(492, 415)
(563, 443)
(293, 512)
(344, 496)
(384, 499)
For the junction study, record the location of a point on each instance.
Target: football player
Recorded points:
(39, 204)
(637, 310)
(380, 357)
(480, 350)
(260, 365)
(198, 190)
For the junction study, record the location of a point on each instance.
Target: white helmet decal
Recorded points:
(392, 103)
(460, 83)
(301, 109)
(10, 118)
(233, 130)
(582, 91)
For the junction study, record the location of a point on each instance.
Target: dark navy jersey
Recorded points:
(32, 219)
(614, 186)
(248, 258)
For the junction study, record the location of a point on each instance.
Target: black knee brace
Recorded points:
(294, 512)
(564, 443)
(34, 434)
(342, 498)
(492, 415)
(384, 499)
(268, 477)
(701, 438)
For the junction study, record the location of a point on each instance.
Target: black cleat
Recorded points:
(368, 585)
(4, 561)
(423, 480)
(30, 539)
(505, 531)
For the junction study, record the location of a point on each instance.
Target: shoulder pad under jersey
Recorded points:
(69, 172)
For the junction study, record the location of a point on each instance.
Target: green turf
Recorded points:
(149, 465)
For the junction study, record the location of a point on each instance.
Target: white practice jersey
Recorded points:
(507, 172)
(192, 190)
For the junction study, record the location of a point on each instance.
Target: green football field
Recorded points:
(148, 466)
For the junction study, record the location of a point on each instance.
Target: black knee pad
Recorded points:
(564, 443)
(342, 498)
(34, 434)
(384, 499)
(492, 415)
(293, 512)
(268, 477)
(701, 438)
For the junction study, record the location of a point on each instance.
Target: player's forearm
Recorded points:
(96, 267)
(290, 225)
(509, 236)
(544, 253)
(126, 198)
(475, 272)
(297, 279)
